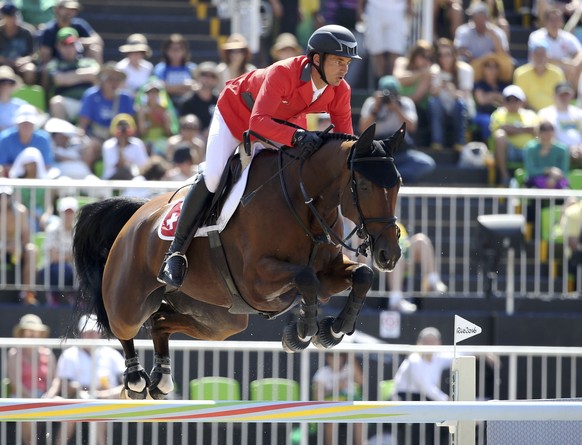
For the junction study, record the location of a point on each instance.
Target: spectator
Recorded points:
(339, 379)
(497, 15)
(202, 101)
(492, 74)
(71, 76)
(447, 17)
(546, 162)
(183, 165)
(57, 274)
(189, 135)
(566, 120)
(389, 110)
(69, 147)
(17, 45)
(513, 126)
(285, 46)
(20, 254)
(155, 116)
(418, 379)
(36, 12)
(480, 36)
(416, 249)
(86, 372)
(451, 96)
(99, 105)
(236, 59)
(123, 154)
(538, 78)
(155, 169)
(566, 7)
(9, 105)
(415, 77)
(66, 16)
(15, 139)
(563, 48)
(135, 65)
(571, 226)
(176, 70)
(30, 368)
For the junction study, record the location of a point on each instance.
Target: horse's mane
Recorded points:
(339, 136)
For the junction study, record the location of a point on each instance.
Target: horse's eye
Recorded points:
(363, 185)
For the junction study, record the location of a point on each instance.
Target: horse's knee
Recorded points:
(362, 279)
(306, 281)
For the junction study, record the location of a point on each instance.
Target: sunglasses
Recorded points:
(546, 128)
(512, 99)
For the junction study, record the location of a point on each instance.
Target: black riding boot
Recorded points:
(175, 263)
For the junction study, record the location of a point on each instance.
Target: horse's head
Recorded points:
(371, 205)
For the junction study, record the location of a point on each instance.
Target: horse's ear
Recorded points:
(365, 140)
(394, 142)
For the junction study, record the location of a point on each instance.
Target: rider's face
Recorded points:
(335, 68)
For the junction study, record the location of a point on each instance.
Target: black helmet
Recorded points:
(333, 39)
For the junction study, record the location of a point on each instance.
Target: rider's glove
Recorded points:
(307, 141)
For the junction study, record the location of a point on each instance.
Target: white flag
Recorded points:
(464, 329)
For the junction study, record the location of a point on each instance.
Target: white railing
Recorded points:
(447, 215)
(516, 373)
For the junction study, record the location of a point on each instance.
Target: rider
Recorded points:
(286, 90)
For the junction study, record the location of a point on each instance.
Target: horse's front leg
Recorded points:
(162, 382)
(135, 379)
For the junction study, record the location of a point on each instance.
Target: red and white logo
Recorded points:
(170, 221)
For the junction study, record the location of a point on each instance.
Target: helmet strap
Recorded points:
(319, 67)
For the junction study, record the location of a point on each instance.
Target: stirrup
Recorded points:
(162, 276)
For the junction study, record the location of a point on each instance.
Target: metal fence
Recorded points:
(503, 373)
(542, 268)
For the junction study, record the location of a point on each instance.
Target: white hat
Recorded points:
(27, 113)
(515, 91)
(56, 125)
(6, 190)
(88, 323)
(68, 203)
(30, 322)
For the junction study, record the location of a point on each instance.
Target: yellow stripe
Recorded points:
(311, 412)
(214, 26)
(202, 11)
(73, 412)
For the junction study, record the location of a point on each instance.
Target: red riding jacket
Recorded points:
(283, 91)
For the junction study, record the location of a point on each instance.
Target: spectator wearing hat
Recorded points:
(492, 74)
(99, 105)
(124, 154)
(69, 145)
(71, 75)
(25, 134)
(479, 36)
(176, 70)
(389, 109)
(17, 44)
(512, 126)
(202, 101)
(539, 77)
(20, 253)
(566, 120)
(57, 274)
(563, 49)
(85, 372)
(155, 116)
(285, 46)
(30, 368)
(9, 105)
(183, 165)
(135, 65)
(66, 16)
(189, 135)
(235, 58)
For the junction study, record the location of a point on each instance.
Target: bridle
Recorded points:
(329, 236)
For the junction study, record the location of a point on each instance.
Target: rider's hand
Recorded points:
(307, 141)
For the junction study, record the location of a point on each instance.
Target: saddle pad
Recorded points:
(168, 224)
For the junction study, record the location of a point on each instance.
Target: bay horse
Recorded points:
(282, 248)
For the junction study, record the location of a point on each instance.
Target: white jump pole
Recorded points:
(464, 388)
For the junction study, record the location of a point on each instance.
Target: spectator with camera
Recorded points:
(389, 110)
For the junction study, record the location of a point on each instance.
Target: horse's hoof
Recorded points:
(157, 394)
(325, 337)
(291, 341)
(135, 395)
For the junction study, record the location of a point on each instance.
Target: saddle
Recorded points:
(230, 176)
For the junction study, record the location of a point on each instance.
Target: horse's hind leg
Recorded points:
(135, 379)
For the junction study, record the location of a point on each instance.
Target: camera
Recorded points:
(386, 96)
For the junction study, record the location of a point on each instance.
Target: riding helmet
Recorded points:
(333, 39)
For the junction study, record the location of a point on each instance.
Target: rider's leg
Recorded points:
(221, 144)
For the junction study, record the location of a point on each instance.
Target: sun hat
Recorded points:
(136, 43)
(88, 323)
(30, 322)
(67, 203)
(285, 40)
(503, 61)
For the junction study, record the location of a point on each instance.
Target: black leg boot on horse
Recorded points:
(175, 263)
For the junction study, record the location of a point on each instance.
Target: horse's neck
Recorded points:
(331, 176)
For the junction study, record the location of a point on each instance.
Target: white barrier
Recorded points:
(41, 410)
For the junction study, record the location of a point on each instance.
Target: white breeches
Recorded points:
(220, 146)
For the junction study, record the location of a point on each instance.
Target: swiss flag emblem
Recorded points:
(168, 228)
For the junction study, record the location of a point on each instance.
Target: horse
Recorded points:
(281, 248)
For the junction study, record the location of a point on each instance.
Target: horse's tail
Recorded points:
(97, 226)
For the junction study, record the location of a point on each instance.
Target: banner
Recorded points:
(464, 329)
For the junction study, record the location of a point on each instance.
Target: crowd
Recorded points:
(67, 113)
